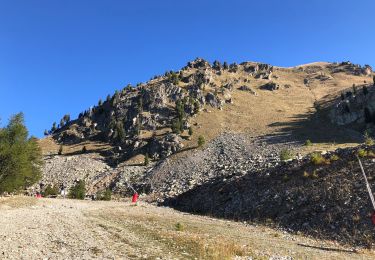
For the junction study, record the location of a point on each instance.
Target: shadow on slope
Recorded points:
(325, 201)
(315, 126)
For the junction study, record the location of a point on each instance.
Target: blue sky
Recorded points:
(59, 57)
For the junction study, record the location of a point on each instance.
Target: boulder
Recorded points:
(167, 145)
(213, 100)
(271, 86)
(247, 89)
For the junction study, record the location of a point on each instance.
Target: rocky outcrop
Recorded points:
(271, 86)
(162, 148)
(350, 68)
(214, 101)
(356, 108)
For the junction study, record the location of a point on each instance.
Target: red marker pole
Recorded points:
(135, 198)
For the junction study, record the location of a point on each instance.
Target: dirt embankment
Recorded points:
(325, 197)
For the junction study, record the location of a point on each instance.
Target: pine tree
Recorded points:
(60, 150)
(190, 131)
(365, 90)
(54, 128)
(20, 156)
(147, 159)
(66, 118)
(368, 117)
(354, 89)
(78, 191)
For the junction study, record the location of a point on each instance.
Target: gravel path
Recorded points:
(69, 229)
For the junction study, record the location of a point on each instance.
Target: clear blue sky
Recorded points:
(60, 57)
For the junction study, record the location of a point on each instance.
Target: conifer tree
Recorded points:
(20, 156)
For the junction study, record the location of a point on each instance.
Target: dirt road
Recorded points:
(70, 229)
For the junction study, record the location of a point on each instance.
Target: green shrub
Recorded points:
(201, 141)
(286, 154)
(362, 153)
(308, 142)
(78, 191)
(20, 156)
(104, 195)
(173, 78)
(317, 158)
(179, 226)
(50, 191)
(368, 140)
(334, 157)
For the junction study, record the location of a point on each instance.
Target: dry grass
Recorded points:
(49, 146)
(16, 202)
(206, 238)
(285, 111)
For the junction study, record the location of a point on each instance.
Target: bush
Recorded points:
(50, 191)
(173, 77)
(334, 157)
(84, 149)
(362, 153)
(78, 191)
(179, 227)
(201, 141)
(104, 195)
(20, 156)
(308, 142)
(317, 158)
(286, 154)
(368, 140)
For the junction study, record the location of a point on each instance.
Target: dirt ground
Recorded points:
(71, 229)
